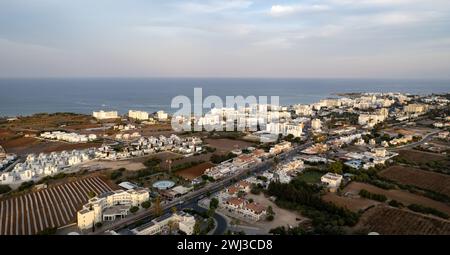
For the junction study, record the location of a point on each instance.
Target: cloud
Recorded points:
(214, 6)
(283, 10)
(374, 2)
(396, 18)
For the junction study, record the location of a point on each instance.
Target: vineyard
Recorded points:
(436, 182)
(48, 208)
(391, 221)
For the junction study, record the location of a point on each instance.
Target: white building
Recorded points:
(161, 115)
(415, 108)
(138, 115)
(279, 148)
(183, 221)
(316, 124)
(110, 205)
(332, 180)
(303, 110)
(285, 128)
(101, 115)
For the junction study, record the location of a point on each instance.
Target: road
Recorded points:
(192, 198)
(425, 139)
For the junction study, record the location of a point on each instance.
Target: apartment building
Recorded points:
(110, 206)
(102, 115)
(138, 115)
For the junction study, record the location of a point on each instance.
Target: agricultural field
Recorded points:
(392, 221)
(402, 196)
(55, 206)
(195, 171)
(354, 204)
(28, 145)
(436, 182)
(44, 121)
(420, 157)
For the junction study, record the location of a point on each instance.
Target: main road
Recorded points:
(191, 199)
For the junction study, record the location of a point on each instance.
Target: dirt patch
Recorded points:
(392, 221)
(114, 165)
(224, 145)
(282, 217)
(402, 196)
(195, 171)
(436, 182)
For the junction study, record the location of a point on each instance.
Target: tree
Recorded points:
(98, 225)
(270, 217)
(4, 189)
(158, 209)
(214, 203)
(276, 160)
(210, 224)
(134, 209)
(146, 204)
(270, 210)
(197, 228)
(173, 209)
(336, 167)
(210, 212)
(91, 194)
(241, 193)
(289, 137)
(171, 225)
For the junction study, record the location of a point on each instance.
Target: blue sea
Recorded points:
(84, 95)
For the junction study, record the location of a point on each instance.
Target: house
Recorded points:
(332, 180)
(254, 211)
(279, 148)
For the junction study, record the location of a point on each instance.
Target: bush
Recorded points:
(427, 210)
(134, 209)
(377, 197)
(153, 162)
(395, 203)
(48, 231)
(4, 189)
(217, 159)
(98, 225)
(270, 217)
(116, 174)
(185, 165)
(214, 203)
(146, 204)
(26, 185)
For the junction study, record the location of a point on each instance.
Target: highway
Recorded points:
(191, 199)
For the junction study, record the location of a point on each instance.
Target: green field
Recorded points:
(310, 176)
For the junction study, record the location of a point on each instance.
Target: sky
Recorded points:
(225, 38)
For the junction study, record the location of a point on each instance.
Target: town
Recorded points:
(337, 166)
